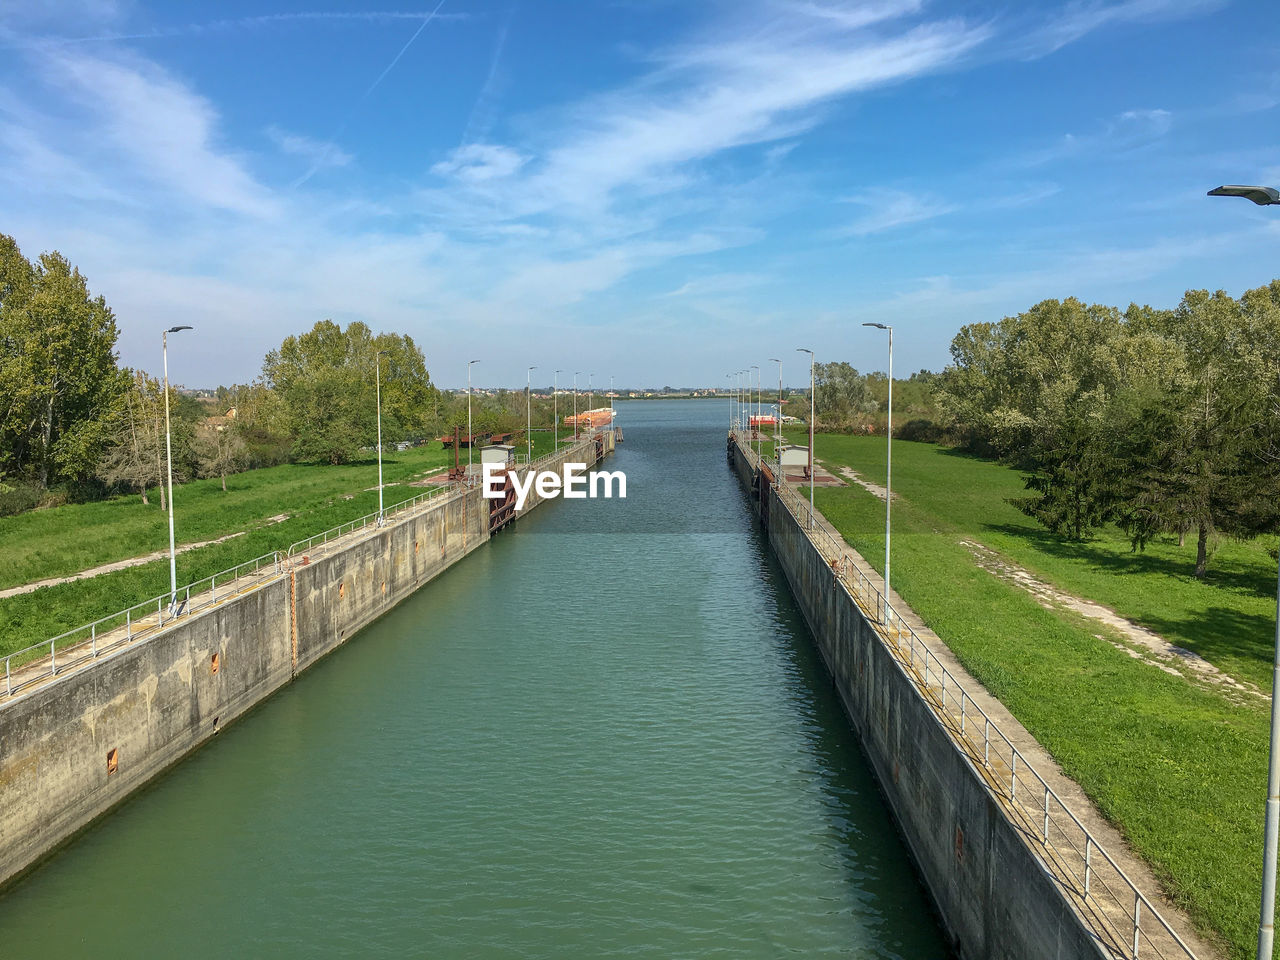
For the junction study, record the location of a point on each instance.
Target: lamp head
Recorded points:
(880, 326)
(1259, 195)
(176, 329)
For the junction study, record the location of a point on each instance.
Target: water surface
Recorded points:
(604, 734)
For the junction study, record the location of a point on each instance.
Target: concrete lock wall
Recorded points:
(995, 896)
(76, 746)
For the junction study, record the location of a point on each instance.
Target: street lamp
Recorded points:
(168, 450)
(729, 390)
(528, 411)
(377, 374)
(812, 408)
(888, 465)
(777, 424)
(755, 431)
(611, 401)
(575, 403)
(555, 411)
(471, 442)
(1264, 196)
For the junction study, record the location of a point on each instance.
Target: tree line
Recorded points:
(75, 424)
(1163, 422)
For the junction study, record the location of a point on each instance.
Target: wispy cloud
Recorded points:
(319, 153)
(894, 208)
(479, 163)
(1082, 17)
(1130, 130)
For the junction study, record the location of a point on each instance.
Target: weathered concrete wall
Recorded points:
(155, 701)
(995, 896)
(150, 703)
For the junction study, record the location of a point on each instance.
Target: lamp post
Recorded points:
(471, 442)
(812, 407)
(755, 431)
(555, 411)
(168, 450)
(575, 404)
(528, 412)
(611, 401)
(729, 391)
(888, 464)
(777, 423)
(1265, 196)
(377, 379)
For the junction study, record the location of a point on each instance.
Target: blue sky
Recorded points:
(662, 191)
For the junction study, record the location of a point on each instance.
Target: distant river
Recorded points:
(605, 734)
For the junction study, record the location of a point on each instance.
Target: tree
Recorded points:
(58, 374)
(843, 395)
(220, 451)
(324, 380)
(133, 453)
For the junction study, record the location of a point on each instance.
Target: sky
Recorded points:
(662, 191)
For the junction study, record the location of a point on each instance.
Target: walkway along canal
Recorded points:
(605, 732)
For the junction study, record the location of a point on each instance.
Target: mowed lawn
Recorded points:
(66, 540)
(1180, 769)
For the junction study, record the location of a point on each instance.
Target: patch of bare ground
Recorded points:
(853, 476)
(1135, 640)
(112, 567)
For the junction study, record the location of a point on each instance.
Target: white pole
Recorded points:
(555, 412)
(528, 411)
(377, 375)
(813, 407)
(888, 471)
(470, 436)
(777, 407)
(168, 450)
(575, 404)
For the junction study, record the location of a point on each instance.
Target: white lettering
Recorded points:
(575, 483)
(522, 489)
(548, 485)
(609, 477)
(493, 480)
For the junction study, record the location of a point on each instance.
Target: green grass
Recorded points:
(1181, 770)
(68, 539)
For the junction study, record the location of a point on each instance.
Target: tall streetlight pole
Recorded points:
(528, 411)
(377, 379)
(755, 432)
(471, 440)
(777, 423)
(729, 391)
(555, 412)
(888, 465)
(812, 408)
(575, 404)
(1265, 196)
(168, 450)
(611, 401)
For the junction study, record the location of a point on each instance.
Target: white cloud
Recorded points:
(319, 153)
(141, 116)
(1082, 17)
(480, 162)
(894, 208)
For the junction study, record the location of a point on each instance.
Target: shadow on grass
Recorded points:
(1220, 633)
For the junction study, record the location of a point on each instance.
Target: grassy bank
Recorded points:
(1180, 769)
(65, 540)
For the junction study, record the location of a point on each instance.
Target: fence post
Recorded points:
(128, 624)
(1046, 814)
(962, 712)
(213, 589)
(986, 742)
(1013, 776)
(93, 639)
(1137, 915)
(8, 685)
(1088, 862)
(53, 662)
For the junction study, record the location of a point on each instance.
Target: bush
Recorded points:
(18, 498)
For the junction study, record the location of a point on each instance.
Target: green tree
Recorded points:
(58, 374)
(324, 382)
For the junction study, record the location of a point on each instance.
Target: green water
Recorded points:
(522, 761)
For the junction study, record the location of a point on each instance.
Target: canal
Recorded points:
(606, 733)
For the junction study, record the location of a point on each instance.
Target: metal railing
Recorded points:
(374, 520)
(49, 657)
(1121, 916)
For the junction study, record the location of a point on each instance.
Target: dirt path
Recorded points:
(1137, 641)
(850, 474)
(112, 567)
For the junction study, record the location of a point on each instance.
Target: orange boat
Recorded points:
(591, 418)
